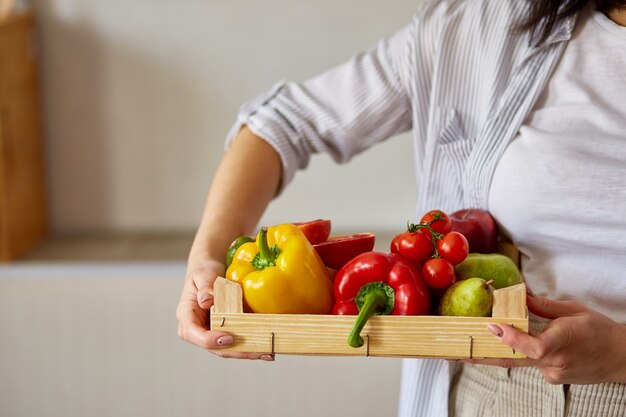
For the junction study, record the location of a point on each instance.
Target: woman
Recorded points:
(515, 106)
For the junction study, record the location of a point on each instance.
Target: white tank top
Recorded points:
(559, 190)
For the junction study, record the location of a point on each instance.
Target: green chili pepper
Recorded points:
(234, 246)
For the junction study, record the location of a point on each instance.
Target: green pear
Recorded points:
(472, 297)
(491, 266)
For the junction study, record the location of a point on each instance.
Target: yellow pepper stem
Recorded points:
(267, 255)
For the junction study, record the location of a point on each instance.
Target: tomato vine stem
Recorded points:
(435, 236)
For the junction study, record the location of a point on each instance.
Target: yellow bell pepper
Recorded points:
(281, 273)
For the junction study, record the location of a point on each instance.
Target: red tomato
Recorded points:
(453, 247)
(438, 273)
(438, 220)
(417, 246)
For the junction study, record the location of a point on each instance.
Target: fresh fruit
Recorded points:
(416, 246)
(472, 297)
(478, 227)
(339, 250)
(493, 266)
(316, 231)
(438, 273)
(453, 247)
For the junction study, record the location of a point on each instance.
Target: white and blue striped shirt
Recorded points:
(460, 78)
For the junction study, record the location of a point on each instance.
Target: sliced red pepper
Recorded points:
(379, 283)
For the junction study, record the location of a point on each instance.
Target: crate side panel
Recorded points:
(407, 336)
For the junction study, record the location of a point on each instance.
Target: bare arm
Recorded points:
(245, 182)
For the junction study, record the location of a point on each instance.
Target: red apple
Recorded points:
(478, 227)
(316, 231)
(339, 250)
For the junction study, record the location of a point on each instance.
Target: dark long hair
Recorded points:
(544, 15)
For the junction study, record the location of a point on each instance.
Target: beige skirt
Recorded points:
(479, 390)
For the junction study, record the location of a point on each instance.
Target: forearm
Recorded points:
(246, 180)
(620, 342)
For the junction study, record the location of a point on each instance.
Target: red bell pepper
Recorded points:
(378, 283)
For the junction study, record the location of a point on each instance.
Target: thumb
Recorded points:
(552, 309)
(205, 290)
(203, 279)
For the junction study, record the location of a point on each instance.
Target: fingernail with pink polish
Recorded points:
(495, 330)
(225, 340)
(267, 358)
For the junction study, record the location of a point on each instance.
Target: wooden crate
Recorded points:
(399, 336)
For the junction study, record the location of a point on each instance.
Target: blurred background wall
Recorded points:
(138, 98)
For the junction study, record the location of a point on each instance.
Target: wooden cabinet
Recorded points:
(22, 196)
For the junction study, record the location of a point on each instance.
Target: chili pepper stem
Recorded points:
(375, 302)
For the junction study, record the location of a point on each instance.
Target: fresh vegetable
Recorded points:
(433, 248)
(479, 227)
(378, 283)
(438, 273)
(454, 247)
(316, 231)
(438, 220)
(282, 273)
(339, 250)
(234, 246)
(415, 244)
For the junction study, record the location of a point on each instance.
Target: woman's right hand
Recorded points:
(193, 312)
(246, 180)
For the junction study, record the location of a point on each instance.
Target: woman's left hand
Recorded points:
(579, 345)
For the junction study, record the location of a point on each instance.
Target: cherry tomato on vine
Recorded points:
(438, 220)
(416, 246)
(438, 273)
(453, 247)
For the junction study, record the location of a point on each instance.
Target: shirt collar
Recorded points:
(561, 32)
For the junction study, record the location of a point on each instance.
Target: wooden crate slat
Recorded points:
(420, 336)
(404, 336)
